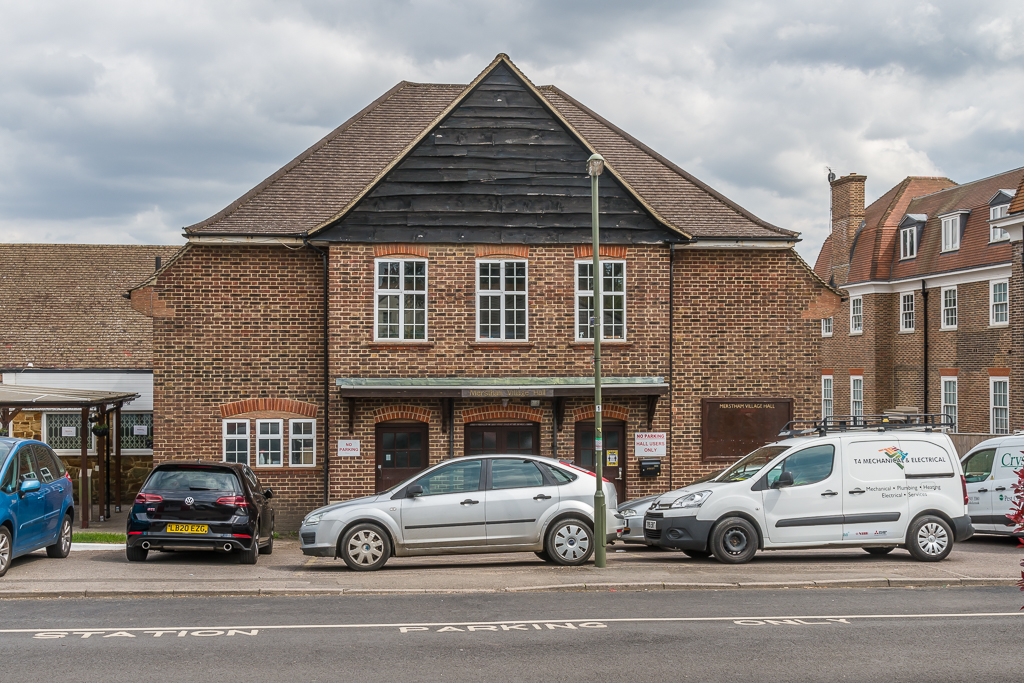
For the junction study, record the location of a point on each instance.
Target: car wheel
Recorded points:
(734, 541)
(697, 554)
(543, 554)
(365, 547)
(880, 551)
(570, 542)
(268, 549)
(136, 553)
(929, 539)
(62, 547)
(6, 550)
(251, 554)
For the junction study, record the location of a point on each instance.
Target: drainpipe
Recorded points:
(671, 349)
(924, 306)
(327, 374)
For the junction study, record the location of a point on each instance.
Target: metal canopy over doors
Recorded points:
(497, 387)
(15, 398)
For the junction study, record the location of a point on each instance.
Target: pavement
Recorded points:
(101, 570)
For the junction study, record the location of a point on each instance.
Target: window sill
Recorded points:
(502, 345)
(856, 334)
(947, 329)
(826, 336)
(604, 344)
(949, 251)
(906, 332)
(400, 345)
(997, 326)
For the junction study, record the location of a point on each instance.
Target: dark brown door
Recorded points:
(520, 438)
(401, 452)
(614, 452)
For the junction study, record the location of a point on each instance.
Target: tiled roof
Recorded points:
(318, 185)
(1017, 204)
(63, 305)
(823, 265)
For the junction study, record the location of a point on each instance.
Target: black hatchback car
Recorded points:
(201, 505)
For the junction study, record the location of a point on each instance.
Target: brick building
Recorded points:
(67, 325)
(417, 285)
(930, 272)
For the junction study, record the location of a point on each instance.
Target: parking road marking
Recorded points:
(455, 625)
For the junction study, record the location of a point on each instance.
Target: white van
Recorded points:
(992, 468)
(874, 486)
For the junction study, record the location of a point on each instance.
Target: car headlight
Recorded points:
(312, 520)
(629, 512)
(691, 500)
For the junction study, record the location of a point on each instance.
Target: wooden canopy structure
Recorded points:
(15, 398)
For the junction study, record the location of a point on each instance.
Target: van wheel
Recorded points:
(62, 547)
(570, 542)
(881, 551)
(929, 539)
(136, 553)
(697, 554)
(365, 547)
(734, 540)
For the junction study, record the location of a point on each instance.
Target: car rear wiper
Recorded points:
(198, 488)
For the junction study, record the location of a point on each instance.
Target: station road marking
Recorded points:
(543, 625)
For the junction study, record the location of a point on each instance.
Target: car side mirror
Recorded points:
(28, 486)
(785, 479)
(269, 493)
(414, 490)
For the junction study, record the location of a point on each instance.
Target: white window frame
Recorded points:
(992, 303)
(225, 437)
(580, 293)
(998, 211)
(826, 327)
(311, 436)
(857, 318)
(854, 408)
(995, 428)
(907, 311)
(827, 396)
(951, 233)
(279, 437)
(947, 407)
(502, 295)
(401, 293)
(908, 242)
(944, 323)
(995, 213)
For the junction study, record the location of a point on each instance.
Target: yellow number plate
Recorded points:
(187, 528)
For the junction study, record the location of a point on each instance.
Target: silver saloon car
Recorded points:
(474, 504)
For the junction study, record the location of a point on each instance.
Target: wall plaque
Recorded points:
(507, 393)
(733, 427)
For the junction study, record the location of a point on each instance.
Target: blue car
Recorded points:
(36, 508)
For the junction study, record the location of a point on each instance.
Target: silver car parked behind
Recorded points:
(475, 504)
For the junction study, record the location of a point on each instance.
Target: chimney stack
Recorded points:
(847, 216)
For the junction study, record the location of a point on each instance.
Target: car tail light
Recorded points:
(237, 501)
(963, 484)
(241, 535)
(67, 475)
(144, 498)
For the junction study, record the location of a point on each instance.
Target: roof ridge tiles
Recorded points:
(973, 182)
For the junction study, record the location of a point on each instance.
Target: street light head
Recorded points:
(595, 165)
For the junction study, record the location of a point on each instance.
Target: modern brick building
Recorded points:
(417, 285)
(931, 273)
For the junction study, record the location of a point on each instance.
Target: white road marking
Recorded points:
(741, 621)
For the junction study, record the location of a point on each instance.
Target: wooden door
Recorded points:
(401, 452)
(519, 438)
(614, 452)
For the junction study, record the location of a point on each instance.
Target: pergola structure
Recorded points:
(15, 398)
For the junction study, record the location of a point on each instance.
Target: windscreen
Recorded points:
(751, 464)
(193, 480)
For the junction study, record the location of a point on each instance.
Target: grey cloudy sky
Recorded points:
(122, 121)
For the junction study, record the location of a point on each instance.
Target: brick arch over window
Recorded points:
(516, 250)
(499, 412)
(612, 412)
(380, 250)
(401, 413)
(277, 405)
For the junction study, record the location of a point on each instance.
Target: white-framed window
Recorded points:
(994, 214)
(999, 302)
(999, 402)
(613, 300)
(907, 312)
(908, 242)
(63, 432)
(949, 398)
(302, 443)
(502, 300)
(269, 443)
(856, 315)
(400, 301)
(826, 327)
(236, 441)
(951, 233)
(856, 395)
(826, 396)
(949, 316)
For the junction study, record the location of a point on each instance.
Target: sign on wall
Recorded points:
(733, 427)
(140, 430)
(348, 448)
(69, 431)
(650, 445)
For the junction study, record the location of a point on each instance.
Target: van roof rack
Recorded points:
(880, 423)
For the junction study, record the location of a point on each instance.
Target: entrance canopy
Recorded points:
(498, 387)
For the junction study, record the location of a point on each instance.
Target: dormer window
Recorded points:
(908, 242)
(998, 208)
(952, 226)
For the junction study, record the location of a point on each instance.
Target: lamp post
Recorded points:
(595, 166)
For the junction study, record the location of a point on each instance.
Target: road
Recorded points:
(793, 635)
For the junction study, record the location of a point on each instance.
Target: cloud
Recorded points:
(124, 121)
